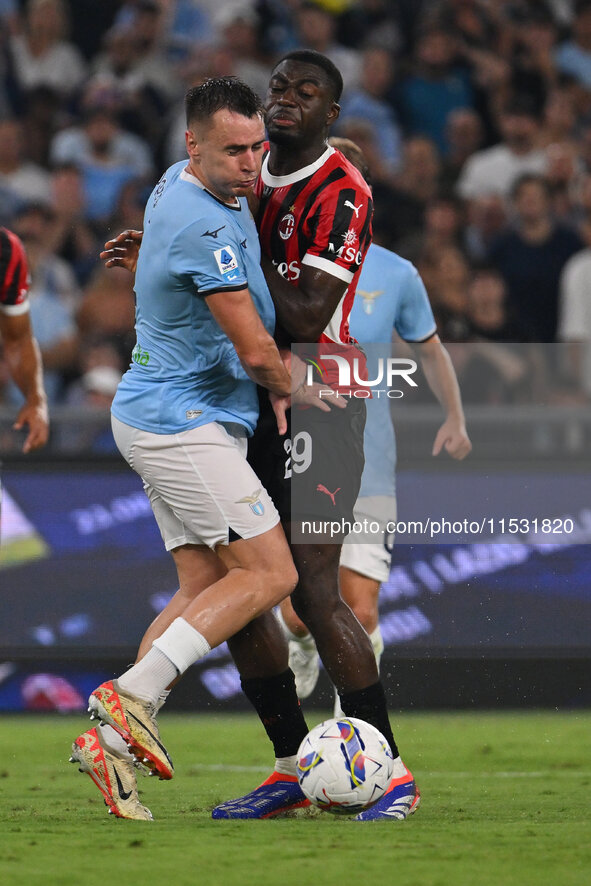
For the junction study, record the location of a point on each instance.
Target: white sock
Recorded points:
(162, 700)
(171, 654)
(338, 711)
(377, 643)
(307, 641)
(182, 645)
(113, 742)
(399, 769)
(286, 765)
(146, 679)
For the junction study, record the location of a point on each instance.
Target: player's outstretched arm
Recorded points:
(123, 250)
(441, 378)
(236, 314)
(24, 363)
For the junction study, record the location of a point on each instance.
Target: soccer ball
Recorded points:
(344, 765)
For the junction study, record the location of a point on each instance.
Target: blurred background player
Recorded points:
(390, 298)
(18, 343)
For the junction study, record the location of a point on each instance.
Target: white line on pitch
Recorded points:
(546, 773)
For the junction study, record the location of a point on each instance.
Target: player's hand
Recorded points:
(36, 418)
(316, 394)
(280, 406)
(452, 437)
(280, 403)
(123, 250)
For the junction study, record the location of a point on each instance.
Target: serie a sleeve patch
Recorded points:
(226, 259)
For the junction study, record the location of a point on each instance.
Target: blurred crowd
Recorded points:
(475, 117)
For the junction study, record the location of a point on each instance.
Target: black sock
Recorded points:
(276, 702)
(369, 704)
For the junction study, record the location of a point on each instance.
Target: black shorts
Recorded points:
(313, 472)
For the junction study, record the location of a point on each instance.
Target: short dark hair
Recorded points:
(530, 178)
(521, 105)
(221, 93)
(311, 57)
(485, 269)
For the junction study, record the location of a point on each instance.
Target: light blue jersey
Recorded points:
(390, 296)
(185, 371)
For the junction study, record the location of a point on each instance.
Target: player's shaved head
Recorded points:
(218, 94)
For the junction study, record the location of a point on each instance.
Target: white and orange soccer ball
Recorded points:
(344, 765)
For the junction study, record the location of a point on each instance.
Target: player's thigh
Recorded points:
(269, 456)
(200, 486)
(327, 463)
(313, 471)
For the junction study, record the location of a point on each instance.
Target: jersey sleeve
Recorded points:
(414, 321)
(210, 253)
(339, 227)
(14, 274)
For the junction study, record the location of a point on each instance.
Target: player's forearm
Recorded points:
(265, 367)
(441, 378)
(24, 364)
(299, 313)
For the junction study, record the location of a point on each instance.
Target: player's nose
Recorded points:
(250, 161)
(287, 97)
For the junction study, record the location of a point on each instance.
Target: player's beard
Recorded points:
(284, 138)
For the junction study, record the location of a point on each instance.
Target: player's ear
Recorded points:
(333, 113)
(191, 144)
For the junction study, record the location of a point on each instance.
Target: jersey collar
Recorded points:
(281, 181)
(187, 176)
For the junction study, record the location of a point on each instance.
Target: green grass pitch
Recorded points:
(505, 803)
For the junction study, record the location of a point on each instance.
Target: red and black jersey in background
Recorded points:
(14, 274)
(319, 216)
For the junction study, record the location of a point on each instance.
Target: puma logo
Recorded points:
(322, 488)
(353, 207)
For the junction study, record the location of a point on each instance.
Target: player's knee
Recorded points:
(279, 581)
(288, 580)
(314, 612)
(365, 614)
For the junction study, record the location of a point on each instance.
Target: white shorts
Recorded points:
(201, 488)
(371, 558)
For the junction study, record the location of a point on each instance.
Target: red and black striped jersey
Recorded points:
(14, 274)
(320, 216)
